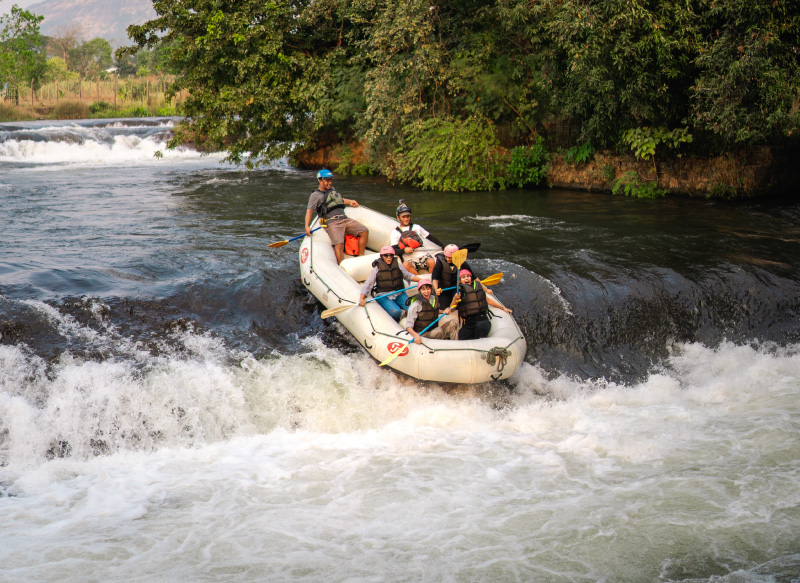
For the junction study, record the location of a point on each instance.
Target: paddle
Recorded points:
(282, 243)
(407, 342)
(491, 280)
(459, 257)
(471, 247)
(340, 309)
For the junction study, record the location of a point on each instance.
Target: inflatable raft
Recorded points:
(495, 357)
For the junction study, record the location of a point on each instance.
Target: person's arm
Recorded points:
(411, 319)
(350, 201)
(434, 240)
(407, 275)
(493, 302)
(368, 285)
(436, 275)
(309, 218)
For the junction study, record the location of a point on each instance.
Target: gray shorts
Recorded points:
(420, 263)
(337, 229)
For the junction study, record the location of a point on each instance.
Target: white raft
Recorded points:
(495, 357)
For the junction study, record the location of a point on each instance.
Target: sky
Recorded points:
(5, 5)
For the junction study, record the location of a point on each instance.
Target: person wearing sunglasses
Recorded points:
(388, 275)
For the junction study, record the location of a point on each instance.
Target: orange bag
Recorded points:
(350, 245)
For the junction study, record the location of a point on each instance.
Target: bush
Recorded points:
(12, 113)
(529, 164)
(631, 185)
(578, 154)
(451, 154)
(99, 106)
(70, 110)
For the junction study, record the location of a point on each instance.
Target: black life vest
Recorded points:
(473, 300)
(427, 314)
(389, 277)
(449, 272)
(333, 201)
(409, 238)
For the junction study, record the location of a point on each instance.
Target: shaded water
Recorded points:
(171, 404)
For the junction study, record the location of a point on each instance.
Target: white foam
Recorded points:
(122, 149)
(323, 467)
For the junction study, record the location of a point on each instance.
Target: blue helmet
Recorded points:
(324, 174)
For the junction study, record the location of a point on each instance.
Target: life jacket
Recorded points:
(333, 201)
(449, 272)
(473, 300)
(351, 245)
(427, 314)
(389, 277)
(409, 238)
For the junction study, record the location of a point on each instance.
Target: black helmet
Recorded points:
(403, 208)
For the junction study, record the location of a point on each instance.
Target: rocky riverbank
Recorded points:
(754, 172)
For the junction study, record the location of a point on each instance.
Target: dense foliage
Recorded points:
(409, 77)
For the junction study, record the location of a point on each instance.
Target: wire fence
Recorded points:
(114, 92)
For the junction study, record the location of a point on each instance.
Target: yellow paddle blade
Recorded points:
(459, 257)
(395, 354)
(492, 279)
(278, 244)
(336, 310)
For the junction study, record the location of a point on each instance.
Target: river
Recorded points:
(172, 407)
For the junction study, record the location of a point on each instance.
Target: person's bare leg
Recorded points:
(339, 251)
(409, 265)
(362, 242)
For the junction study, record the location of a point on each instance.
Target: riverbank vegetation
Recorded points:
(443, 90)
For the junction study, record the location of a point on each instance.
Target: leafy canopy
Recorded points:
(264, 77)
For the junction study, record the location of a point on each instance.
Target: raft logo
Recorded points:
(304, 255)
(394, 346)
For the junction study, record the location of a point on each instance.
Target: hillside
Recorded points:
(96, 18)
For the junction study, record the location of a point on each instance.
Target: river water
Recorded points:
(172, 408)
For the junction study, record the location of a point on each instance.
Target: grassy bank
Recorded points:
(111, 98)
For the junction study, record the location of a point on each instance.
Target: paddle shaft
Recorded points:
(407, 342)
(303, 235)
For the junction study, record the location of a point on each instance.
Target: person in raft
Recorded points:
(388, 275)
(473, 307)
(408, 237)
(423, 309)
(329, 205)
(445, 274)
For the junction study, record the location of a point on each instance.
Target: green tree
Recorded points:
(262, 77)
(20, 47)
(258, 73)
(749, 83)
(56, 70)
(89, 58)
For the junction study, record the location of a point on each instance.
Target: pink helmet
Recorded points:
(463, 271)
(424, 281)
(450, 249)
(387, 250)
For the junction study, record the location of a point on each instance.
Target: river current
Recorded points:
(172, 407)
